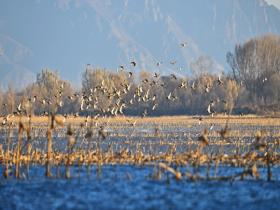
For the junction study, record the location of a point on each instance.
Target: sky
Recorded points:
(66, 35)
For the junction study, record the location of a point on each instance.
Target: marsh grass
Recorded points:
(114, 141)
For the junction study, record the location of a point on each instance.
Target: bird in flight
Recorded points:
(183, 44)
(133, 63)
(121, 67)
(159, 63)
(220, 82)
(173, 62)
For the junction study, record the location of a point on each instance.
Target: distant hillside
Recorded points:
(109, 33)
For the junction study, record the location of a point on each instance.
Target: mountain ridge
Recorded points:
(110, 33)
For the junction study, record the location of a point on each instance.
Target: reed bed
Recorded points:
(165, 143)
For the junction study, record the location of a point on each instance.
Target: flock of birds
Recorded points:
(119, 97)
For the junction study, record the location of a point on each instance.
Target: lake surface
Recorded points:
(132, 187)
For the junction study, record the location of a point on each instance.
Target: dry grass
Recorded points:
(249, 149)
(218, 119)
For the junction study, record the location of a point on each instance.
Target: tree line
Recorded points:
(252, 86)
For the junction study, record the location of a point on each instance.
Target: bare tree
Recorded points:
(254, 62)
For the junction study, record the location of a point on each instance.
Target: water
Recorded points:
(132, 187)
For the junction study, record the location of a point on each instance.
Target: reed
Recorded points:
(7, 154)
(98, 145)
(19, 147)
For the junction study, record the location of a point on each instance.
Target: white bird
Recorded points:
(60, 104)
(4, 122)
(264, 79)
(169, 96)
(154, 106)
(207, 88)
(19, 107)
(183, 85)
(82, 105)
(209, 109)
(220, 82)
(193, 85)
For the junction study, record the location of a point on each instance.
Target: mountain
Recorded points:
(65, 35)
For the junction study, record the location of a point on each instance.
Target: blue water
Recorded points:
(132, 187)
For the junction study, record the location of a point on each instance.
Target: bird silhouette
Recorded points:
(133, 63)
(184, 44)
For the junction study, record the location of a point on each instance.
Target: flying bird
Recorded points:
(183, 85)
(154, 106)
(133, 63)
(159, 63)
(169, 96)
(207, 88)
(19, 108)
(193, 85)
(184, 44)
(209, 109)
(156, 75)
(173, 62)
(220, 82)
(121, 67)
(173, 76)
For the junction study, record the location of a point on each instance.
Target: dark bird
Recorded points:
(259, 143)
(184, 44)
(70, 98)
(144, 114)
(121, 67)
(173, 62)
(133, 63)
(199, 120)
(88, 134)
(101, 133)
(173, 76)
(156, 75)
(224, 131)
(159, 63)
